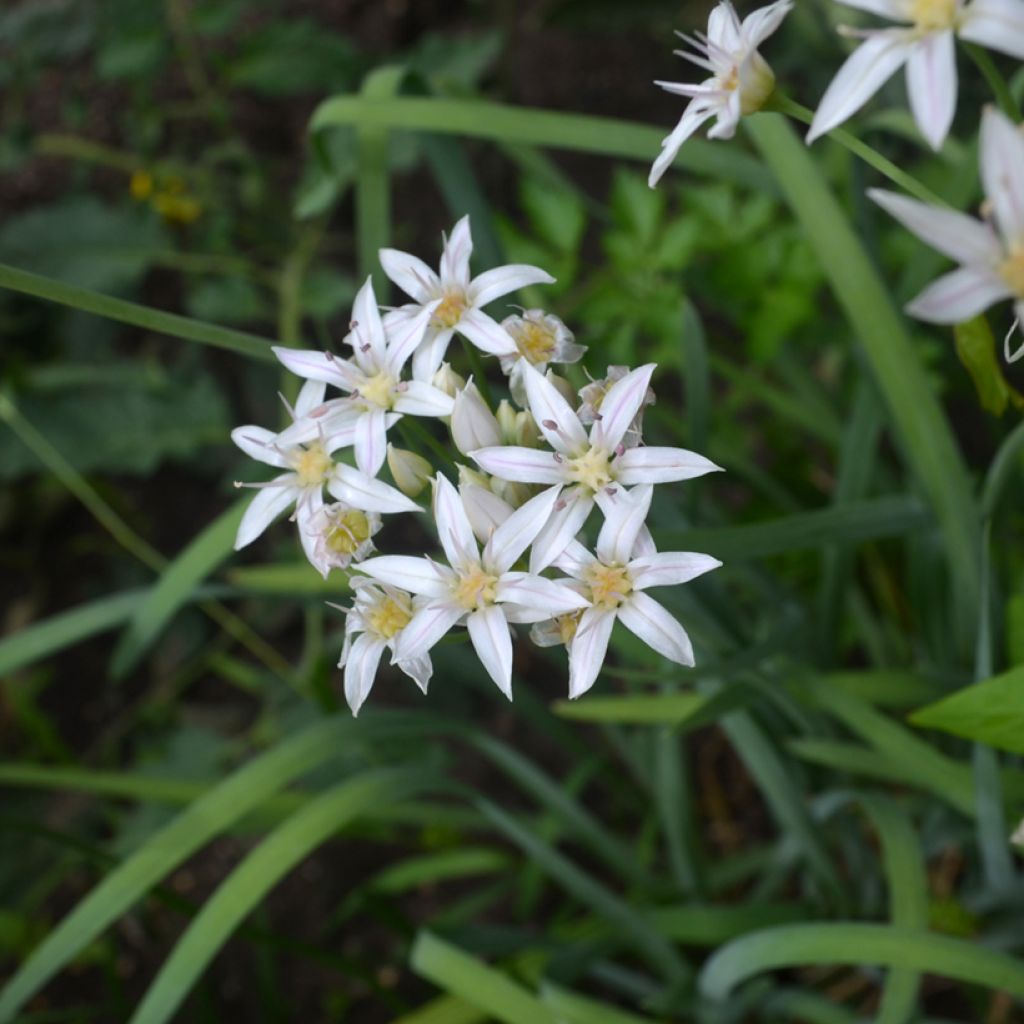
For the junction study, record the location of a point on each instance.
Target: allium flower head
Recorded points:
(990, 252)
(740, 83)
(456, 301)
(926, 44)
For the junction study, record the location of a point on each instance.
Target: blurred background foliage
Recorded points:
(592, 854)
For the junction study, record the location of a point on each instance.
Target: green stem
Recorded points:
(999, 86)
(784, 105)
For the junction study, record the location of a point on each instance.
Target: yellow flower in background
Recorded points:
(168, 195)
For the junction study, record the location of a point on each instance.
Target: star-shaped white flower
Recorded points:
(309, 469)
(478, 588)
(456, 301)
(591, 467)
(926, 44)
(616, 581)
(377, 395)
(341, 535)
(991, 258)
(374, 624)
(740, 81)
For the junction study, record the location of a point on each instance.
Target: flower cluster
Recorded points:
(512, 525)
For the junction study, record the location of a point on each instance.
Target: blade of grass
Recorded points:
(445, 1010)
(572, 1008)
(710, 925)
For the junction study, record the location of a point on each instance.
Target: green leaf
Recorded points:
(444, 1010)
(859, 944)
(885, 688)
(263, 868)
(572, 1008)
(244, 790)
(977, 351)
(297, 579)
(431, 868)
(709, 925)
(176, 585)
(228, 300)
(990, 712)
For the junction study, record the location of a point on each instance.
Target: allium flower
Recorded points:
(376, 621)
(991, 257)
(538, 338)
(589, 468)
(926, 44)
(378, 396)
(615, 581)
(476, 587)
(592, 395)
(740, 83)
(456, 302)
(309, 469)
(341, 535)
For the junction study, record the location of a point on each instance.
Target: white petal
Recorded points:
(1002, 172)
(517, 533)
(424, 629)
(418, 669)
(492, 284)
(669, 568)
(411, 274)
(693, 117)
(588, 649)
(553, 414)
(575, 559)
(268, 504)
(894, 10)
(427, 359)
(473, 425)
(760, 24)
(644, 543)
(361, 668)
(931, 86)
(724, 27)
(729, 113)
(323, 366)
(257, 443)
(866, 70)
(453, 527)
(310, 502)
(487, 334)
(562, 526)
(416, 575)
(371, 440)
(310, 395)
(620, 406)
(520, 465)
(652, 465)
(405, 336)
(646, 618)
(954, 234)
(546, 597)
(455, 258)
(959, 296)
(367, 328)
(492, 640)
(327, 419)
(997, 24)
(363, 492)
(622, 523)
(417, 398)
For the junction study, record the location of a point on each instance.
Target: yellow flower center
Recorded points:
(313, 465)
(1012, 270)
(933, 15)
(449, 313)
(475, 589)
(609, 585)
(379, 390)
(348, 531)
(567, 626)
(591, 469)
(536, 343)
(389, 617)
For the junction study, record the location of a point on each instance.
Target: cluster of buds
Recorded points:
(524, 480)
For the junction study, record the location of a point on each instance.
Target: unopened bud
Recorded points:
(563, 386)
(448, 381)
(485, 510)
(473, 424)
(411, 472)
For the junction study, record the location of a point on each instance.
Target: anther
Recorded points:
(558, 457)
(550, 424)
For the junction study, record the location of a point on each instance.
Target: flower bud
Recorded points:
(448, 381)
(411, 472)
(563, 386)
(473, 424)
(514, 493)
(484, 509)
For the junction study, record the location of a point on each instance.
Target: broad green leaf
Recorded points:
(990, 712)
(572, 1008)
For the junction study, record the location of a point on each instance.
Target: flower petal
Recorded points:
(405, 336)
(411, 274)
(492, 284)
(954, 234)
(324, 366)
(310, 502)
(363, 492)
(367, 331)
(588, 649)
(669, 568)
(932, 86)
(453, 527)
(575, 559)
(997, 24)
(455, 259)
(371, 440)
(622, 522)
(894, 10)
(619, 407)
(760, 24)
(486, 333)
(724, 27)
(865, 72)
(417, 398)
(959, 295)
(427, 359)
(648, 620)
(269, 503)
(486, 511)
(547, 598)
(553, 414)
(1002, 172)
(416, 575)
(696, 113)
(517, 533)
(492, 640)
(652, 465)
(562, 526)
(519, 465)
(361, 669)
(258, 443)
(310, 395)
(424, 629)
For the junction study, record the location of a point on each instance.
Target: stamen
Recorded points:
(287, 405)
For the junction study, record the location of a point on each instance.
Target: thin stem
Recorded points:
(784, 105)
(999, 86)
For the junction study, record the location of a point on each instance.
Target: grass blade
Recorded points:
(572, 1008)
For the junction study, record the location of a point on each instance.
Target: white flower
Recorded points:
(378, 396)
(309, 468)
(592, 395)
(927, 46)
(538, 338)
(456, 302)
(991, 258)
(615, 581)
(379, 615)
(740, 81)
(476, 587)
(590, 468)
(341, 535)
